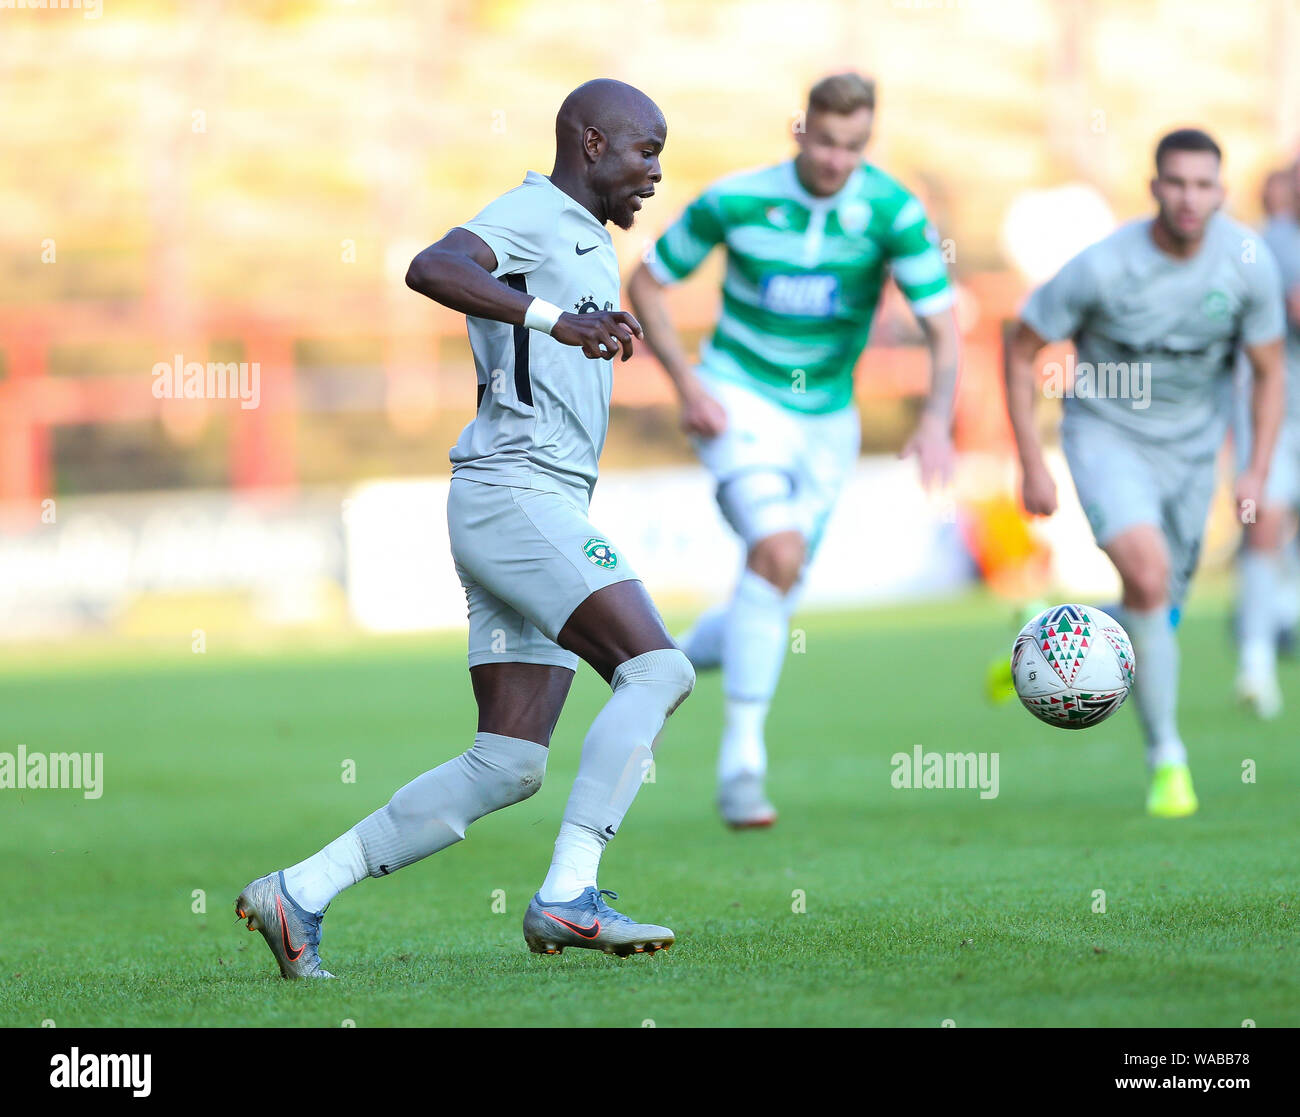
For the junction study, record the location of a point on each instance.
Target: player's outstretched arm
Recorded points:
(932, 440)
(457, 272)
(1268, 400)
(701, 413)
(1020, 346)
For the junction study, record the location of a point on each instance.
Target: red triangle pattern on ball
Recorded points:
(1064, 636)
(1123, 650)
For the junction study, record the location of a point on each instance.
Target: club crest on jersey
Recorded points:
(599, 552)
(813, 295)
(588, 305)
(854, 217)
(1215, 304)
(778, 216)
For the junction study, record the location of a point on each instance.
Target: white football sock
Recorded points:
(616, 752)
(1257, 572)
(1167, 752)
(430, 813)
(315, 882)
(753, 650)
(1288, 590)
(743, 747)
(703, 643)
(1155, 690)
(573, 865)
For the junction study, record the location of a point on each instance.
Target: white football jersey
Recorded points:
(543, 407)
(1170, 327)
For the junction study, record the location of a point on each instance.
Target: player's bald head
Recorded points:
(608, 136)
(613, 108)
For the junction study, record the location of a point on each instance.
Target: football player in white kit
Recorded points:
(537, 277)
(1157, 312)
(1264, 581)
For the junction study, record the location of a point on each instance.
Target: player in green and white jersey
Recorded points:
(809, 244)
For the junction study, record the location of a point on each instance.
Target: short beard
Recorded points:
(623, 215)
(1177, 235)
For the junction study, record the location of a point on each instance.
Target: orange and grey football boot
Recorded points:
(588, 921)
(292, 932)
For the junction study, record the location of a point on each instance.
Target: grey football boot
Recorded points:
(588, 921)
(743, 804)
(292, 932)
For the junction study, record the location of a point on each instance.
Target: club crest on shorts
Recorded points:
(600, 552)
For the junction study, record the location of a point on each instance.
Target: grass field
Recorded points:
(921, 906)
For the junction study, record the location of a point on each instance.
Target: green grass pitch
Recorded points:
(921, 905)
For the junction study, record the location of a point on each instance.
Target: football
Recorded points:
(1072, 666)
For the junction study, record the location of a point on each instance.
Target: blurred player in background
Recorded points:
(809, 243)
(1156, 311)
(544, 587)
(1278, 198)
(1267, 595)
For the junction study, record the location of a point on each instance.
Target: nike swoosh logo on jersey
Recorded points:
(290, 953)
(584, 932)
(584, 251)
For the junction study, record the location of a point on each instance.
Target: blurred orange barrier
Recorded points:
(1012, 560)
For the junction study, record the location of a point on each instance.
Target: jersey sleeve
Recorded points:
(515, 229)
(1264, 311)
(915, 261)
(1057, 309)
(687, 241)
(1263, 316)
(1284, 242)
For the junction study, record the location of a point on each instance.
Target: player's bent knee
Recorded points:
(666, 672)
(435, 809)
(495, 772)
(1265, 534)
(779, 559)
(520, 782)
(1142, 560)
(1147, 588)
(524, 781)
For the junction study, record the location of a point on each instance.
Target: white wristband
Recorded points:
(542, 315)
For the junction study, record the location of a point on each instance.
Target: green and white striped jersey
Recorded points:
(803, 276)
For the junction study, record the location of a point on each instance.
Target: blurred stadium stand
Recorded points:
(247, 182)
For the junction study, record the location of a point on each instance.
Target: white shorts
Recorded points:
(777, 469)
(527, 559)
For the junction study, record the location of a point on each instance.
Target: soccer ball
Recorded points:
(1072, 666)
